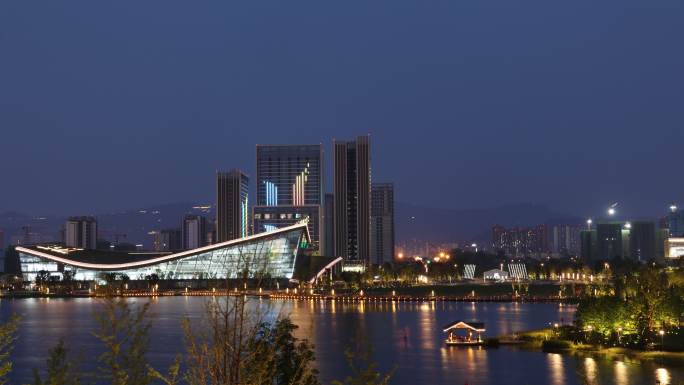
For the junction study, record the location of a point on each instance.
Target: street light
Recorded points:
(589, 222)
(662, 338)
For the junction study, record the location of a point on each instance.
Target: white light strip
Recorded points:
(123, 266)
(328, 266)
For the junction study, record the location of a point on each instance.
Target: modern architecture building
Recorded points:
(193, 232)
(382, 223)
(274, 252)
(168, 240)
(674, 247)
(675, 221)
(637, 240)
(289, 185)
(329, 225)
(81, 232)
(352, 190)
(232, 205)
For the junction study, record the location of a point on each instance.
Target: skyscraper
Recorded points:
(565, 239)
(193, 232)
(382, 222)
(232, 205)
(290, 188)
(81, 232)
(351, 186)
(329, 225)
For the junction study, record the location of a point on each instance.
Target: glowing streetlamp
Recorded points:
(589, 222)
(628, 225)
(673, 208)
(662, 338)
(611, 211)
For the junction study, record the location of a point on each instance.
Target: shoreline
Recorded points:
(534, 342)
(302, 297)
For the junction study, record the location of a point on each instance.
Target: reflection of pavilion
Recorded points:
(469, 338)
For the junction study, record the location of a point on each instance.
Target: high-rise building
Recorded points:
(382, 223)
(565, 239)
(193, 232)
(329, 225)
(232, 205)
(81, 232)
(611, 240)
(642, 241)
(589, 245)
(290, 188)
(351, 186)
(521, 241)
(675, 221)
(168, 240)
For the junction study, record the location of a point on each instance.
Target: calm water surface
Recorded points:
(404, 336)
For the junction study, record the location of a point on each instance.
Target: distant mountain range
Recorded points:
(450, 225)
(412, 222)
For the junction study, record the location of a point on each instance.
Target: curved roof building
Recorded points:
(273, 252)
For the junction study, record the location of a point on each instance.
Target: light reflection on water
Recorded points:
(556, 368)
(407, 336)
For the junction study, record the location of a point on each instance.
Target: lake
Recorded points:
(406, 337)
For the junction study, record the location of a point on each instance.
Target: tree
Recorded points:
(279, 358)
(364, 370)
(124, 332)
(60, 370)
(7, 337)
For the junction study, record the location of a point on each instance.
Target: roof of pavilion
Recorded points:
(476, 326)
(122, 260)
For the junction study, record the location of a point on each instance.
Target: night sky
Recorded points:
(108, 105)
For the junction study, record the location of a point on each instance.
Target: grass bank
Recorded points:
(543, 340)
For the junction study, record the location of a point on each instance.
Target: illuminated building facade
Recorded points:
(272, 252)
(352, 189)
(289, 185)
(232, 205)
(521, 241)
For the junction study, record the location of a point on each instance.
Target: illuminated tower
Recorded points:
(290, 188)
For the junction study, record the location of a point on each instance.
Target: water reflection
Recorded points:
(621, 377)
(590, 371)
(662, 376)
(407, 336)
(556, 368)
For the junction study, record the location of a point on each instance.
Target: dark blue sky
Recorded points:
(470, 103)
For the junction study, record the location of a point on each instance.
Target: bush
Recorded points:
(555, 345)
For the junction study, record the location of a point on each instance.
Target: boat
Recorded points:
(472, 337)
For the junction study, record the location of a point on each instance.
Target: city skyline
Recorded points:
(606, 100)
